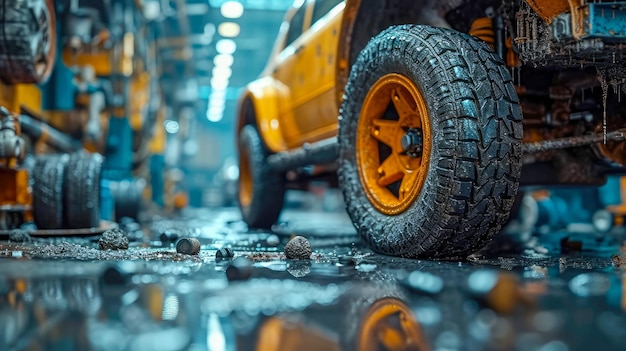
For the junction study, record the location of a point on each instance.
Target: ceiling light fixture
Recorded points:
(226, 46)
(231, 9)
(223, 60)
(228, 29)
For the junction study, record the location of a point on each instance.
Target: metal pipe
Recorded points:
(324, 151)
(37, 130)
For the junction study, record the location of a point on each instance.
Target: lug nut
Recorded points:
(188, 246)
(224, 253)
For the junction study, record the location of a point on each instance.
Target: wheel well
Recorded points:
(248, 115)
(365, 19)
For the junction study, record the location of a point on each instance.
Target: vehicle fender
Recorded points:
(363, 19)
(259, 104)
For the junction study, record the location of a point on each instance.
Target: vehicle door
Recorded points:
(288, 71)
(316, 111)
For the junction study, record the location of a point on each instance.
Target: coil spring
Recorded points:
(482, 28)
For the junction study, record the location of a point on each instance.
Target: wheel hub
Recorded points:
(412, 143)
(393, 143)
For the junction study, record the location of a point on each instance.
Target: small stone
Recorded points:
(126, 220)
(347, 260)
(137, 235)
(224, 253)
(131, 227)
(298, 248)
(188, 246)
(170, 235)
(19, 236)
(113, 239)
(273, 240)
(616, 260)
(239, 269)
(29, 226)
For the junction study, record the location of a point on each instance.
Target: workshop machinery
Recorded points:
(78, 79)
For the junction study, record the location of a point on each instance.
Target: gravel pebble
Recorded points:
(113, 239)
(272, 240)
(19, 236)
(298, 248)
(347, 260)
(170, 235)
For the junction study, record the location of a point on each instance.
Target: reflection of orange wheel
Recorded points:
(27, 41)
(390, 325)
(430, 142)
(261, 190)
(394, 125)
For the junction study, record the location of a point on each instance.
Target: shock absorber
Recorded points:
(482, 28)
(491, 31)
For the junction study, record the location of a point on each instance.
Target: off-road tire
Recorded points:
(475, 158)
(127, 195)
(48, 175)
(268, 186)
(22, 22)
(81, 191)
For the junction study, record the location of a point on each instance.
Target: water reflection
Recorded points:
(325, 306)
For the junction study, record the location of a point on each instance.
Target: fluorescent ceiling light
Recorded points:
(217, 104)
(217, 83)
(214, 117)
(226, 46)
(222, 72)
(215, 109)
(223, 60)
(228, 29)
(231, 9)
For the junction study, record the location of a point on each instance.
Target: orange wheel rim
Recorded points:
(47, 29)
(393, 176)
(245, 178)
(390, 325)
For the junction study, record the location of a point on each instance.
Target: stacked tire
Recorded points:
(66, 191)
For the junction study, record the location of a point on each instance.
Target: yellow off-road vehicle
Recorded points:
(416, 107)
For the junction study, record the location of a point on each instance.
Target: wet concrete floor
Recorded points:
(562, 291)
